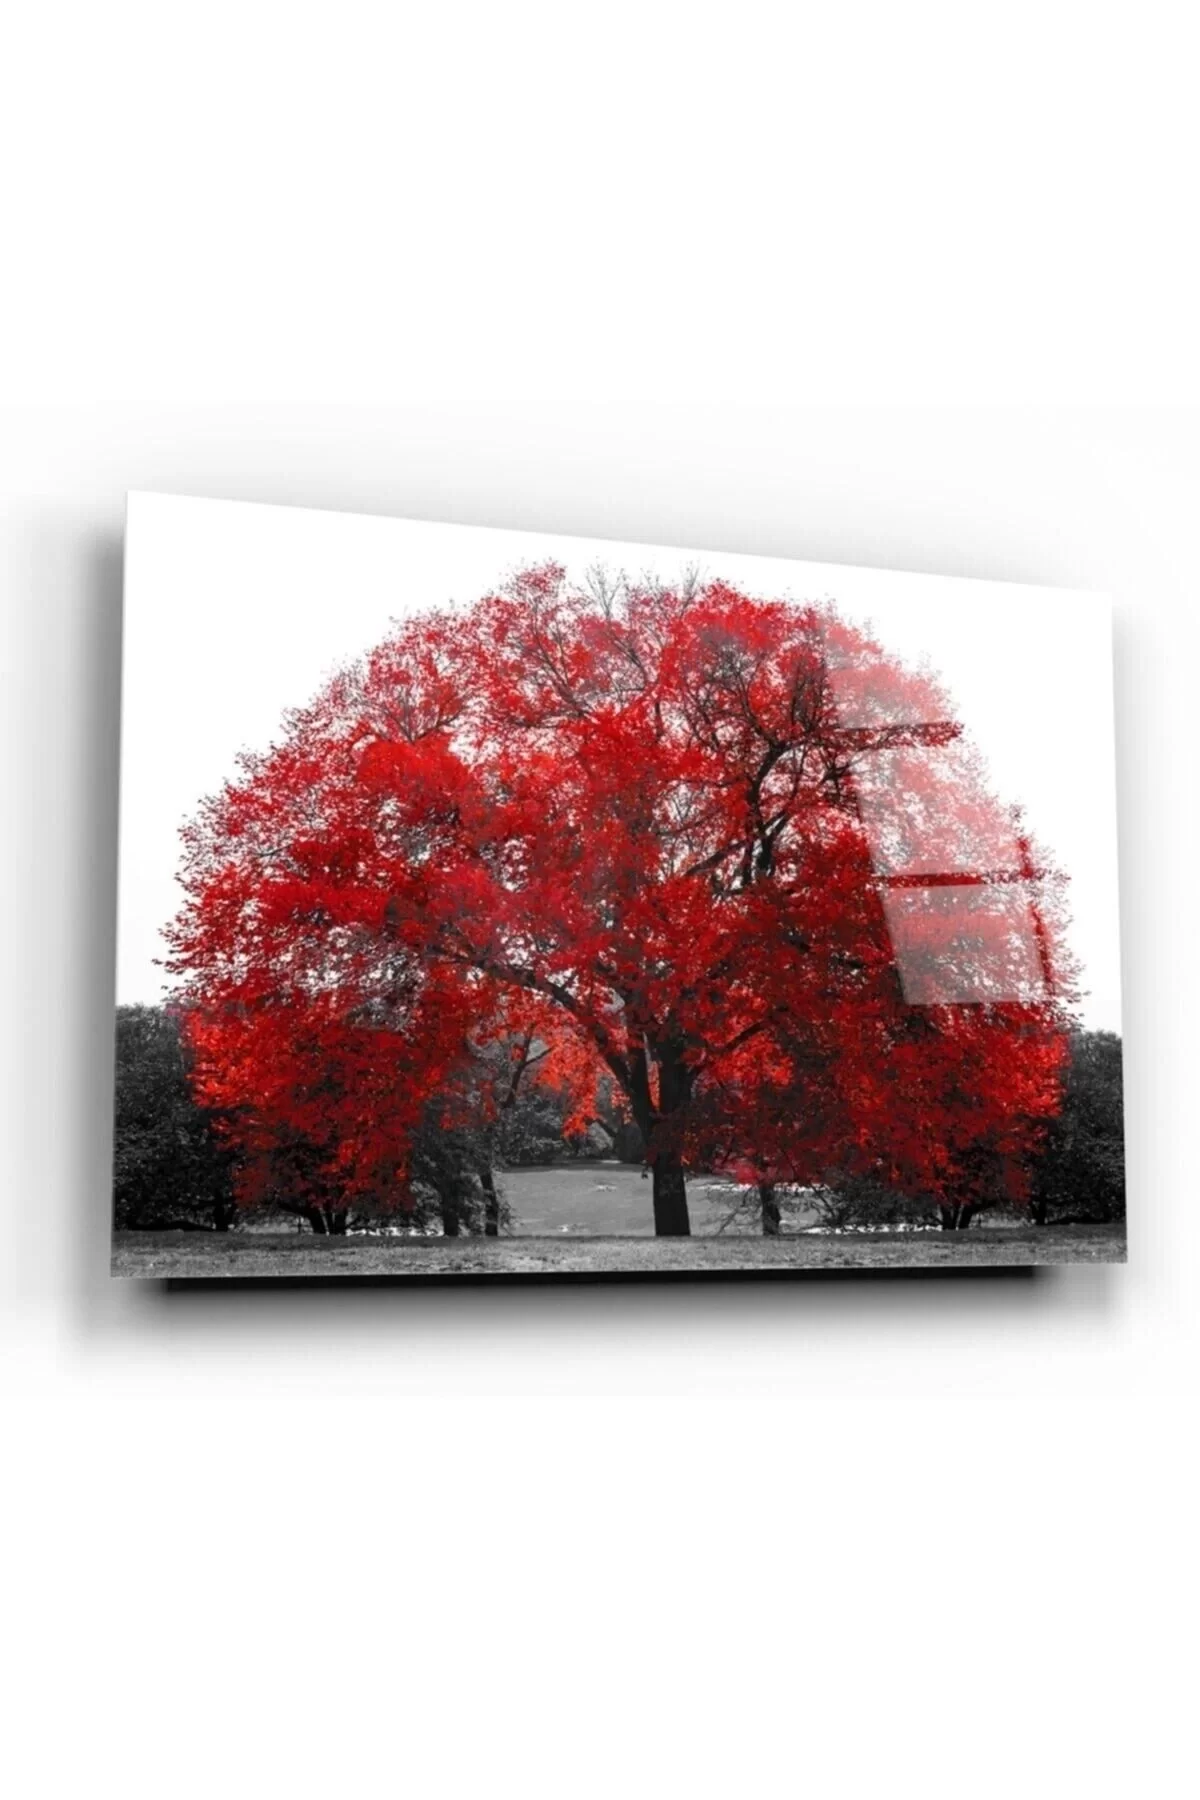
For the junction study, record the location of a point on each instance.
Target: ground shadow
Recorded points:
(675, 1278)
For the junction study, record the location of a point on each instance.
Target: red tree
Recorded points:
(744, 861)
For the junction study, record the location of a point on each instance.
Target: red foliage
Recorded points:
(719, 848)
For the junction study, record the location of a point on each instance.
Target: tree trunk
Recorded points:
(316, 1219)
(1038, 1210)
(337, 1218)
(670, 1196)
(769, 1202)
(956, 1217)
(451, 1226)
(657, 1127)
(491, 1203)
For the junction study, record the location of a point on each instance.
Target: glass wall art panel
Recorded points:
(498, 905)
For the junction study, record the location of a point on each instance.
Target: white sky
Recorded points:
(234, 612)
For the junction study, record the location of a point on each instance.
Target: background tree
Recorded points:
(455, 1164)
(170, 1167)
(531, 1131)
(853, 1202)
(1079, 1173)
(498, 1083)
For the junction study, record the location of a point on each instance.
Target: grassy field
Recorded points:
(597, 1219)
(191, 1255)
(608, 1199)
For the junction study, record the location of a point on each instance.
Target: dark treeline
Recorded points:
(1080, 1175)
(171, 1170)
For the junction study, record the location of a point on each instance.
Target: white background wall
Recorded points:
(697, 276)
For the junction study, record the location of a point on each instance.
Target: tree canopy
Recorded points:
(720, 852)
